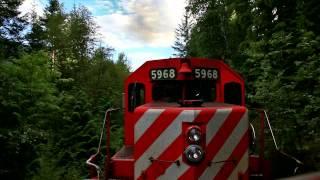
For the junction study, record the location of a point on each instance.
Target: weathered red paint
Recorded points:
(142, 75)
(123, 162)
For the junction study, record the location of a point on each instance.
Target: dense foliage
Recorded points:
(55, 84)
(274, 44)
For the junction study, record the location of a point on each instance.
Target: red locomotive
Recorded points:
(184, 119)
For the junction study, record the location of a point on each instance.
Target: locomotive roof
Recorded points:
(163, 63)
(173, 105)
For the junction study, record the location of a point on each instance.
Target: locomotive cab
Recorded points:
(184, 119)
(184, 81)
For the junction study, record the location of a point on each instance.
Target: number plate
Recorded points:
(202, 73)
(163, 74)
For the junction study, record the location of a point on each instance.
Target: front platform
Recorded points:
(122, 163)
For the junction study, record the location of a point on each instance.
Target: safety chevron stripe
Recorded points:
(173, 152)
(174, 171)
(145, 122)
(218, 140)
(164, 140)
(216, 122)
(241, 167)
(227, 148)
(158, 133)
(154, 131)
(234, 159)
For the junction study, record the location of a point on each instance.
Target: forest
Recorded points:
(56, 79)
(275, 45)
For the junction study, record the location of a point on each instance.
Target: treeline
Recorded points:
(56, 81)
(275, 45)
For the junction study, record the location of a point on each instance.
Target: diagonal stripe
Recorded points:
(236, 155)
(175, 149)
(218, 140)
(145, 122)
(155, 130)
(241, 167)
(216, 122)
(227, 148)
(173, 152)
(164, 140)
(174, 171)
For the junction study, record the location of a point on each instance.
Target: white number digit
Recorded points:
(165, 73)
(159, 73)
(203, 73)
(172, 73)
(215, 74)
(209, 73)
(153, 74)
(197, 73)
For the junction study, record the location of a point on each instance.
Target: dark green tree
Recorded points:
(183, 33)
(221, 27)
(281, 58)
(11, 25)
(27, 104)
(80, 32)
(310, 9)
(123, 63)
(55, 36)
(36, 36)
(274, 44)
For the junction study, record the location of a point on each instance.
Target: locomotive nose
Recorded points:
(184, 140)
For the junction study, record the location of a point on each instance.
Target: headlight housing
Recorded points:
(194, 153)
(194, 134)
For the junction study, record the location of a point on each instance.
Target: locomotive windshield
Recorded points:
(173, 91)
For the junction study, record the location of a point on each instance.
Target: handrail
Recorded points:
(273, 138)
(275, 142)
(88, 162)
(253, 131)
(92, 157)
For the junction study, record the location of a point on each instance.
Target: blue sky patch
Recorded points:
(142, 29)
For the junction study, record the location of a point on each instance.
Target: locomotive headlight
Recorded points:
(194, 153)
(194, 134)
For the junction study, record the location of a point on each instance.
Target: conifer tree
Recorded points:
(183, 36)
(11, 25)
(36, 36)
(54, 26)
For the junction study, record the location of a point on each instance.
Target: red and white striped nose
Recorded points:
(183, 142)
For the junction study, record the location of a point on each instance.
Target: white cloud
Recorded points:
(28, 5)
(138, 58)
(143, 23)
(131, 24)
(113, 31)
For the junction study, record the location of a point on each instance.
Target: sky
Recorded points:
(142, 29)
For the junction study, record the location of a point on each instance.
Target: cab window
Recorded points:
(136, 95)
(166, 91)
(172, 91)
(201, 89)
(233, 93)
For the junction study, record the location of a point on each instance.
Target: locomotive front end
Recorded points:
(184, 119)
